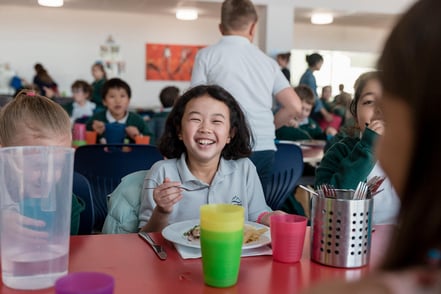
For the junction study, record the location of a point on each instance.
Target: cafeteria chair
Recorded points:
(5, 99)
(82, 189)
(104, 165)
(124, 204)
(287, 170)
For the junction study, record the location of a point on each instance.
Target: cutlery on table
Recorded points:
(159, 250)
(182, 187)
(309, 190)
(188, 186)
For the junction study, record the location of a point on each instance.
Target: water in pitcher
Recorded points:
(31, 270)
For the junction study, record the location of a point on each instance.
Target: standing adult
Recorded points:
(44, 82)
(283, 61)
(252, 77)
(315, 62)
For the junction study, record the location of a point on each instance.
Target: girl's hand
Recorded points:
(376, 126)
(132, 132)
(265, 220)
(331, 131)
(167, 195)
(24, 228)
(98, 126)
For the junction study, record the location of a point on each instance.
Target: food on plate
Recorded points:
(194, 233)
(251, 234)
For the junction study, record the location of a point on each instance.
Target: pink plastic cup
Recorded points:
(287, 237)
(85, 283)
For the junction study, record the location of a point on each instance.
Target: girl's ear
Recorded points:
(232, 134)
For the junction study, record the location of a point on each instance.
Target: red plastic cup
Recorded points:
(91, 137)
(141, 139)
(85, 283)
(287, 237)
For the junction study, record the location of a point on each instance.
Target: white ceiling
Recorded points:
(211, 9)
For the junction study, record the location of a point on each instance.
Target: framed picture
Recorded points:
(170, 62)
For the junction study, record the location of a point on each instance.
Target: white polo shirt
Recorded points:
(235, 182)
(252, 77)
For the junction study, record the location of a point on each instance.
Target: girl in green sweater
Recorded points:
(351, 160)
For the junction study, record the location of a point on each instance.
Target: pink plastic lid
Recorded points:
(85, 283)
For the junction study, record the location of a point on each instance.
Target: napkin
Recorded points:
(190, 252)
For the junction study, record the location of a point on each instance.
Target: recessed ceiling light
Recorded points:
(322, 18)
(51, 3)
(186, 14)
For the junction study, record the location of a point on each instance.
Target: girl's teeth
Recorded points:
(205, 142)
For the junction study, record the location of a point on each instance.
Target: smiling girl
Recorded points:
(207, 143)
(352, 159)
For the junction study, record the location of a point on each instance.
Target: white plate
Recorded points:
(175, 233)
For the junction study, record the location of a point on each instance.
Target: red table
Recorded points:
(137, 269)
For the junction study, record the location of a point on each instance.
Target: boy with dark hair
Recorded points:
(168, 97)
(116, 97)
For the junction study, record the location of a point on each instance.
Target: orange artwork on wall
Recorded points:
(170, 62)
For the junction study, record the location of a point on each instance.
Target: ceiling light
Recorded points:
(322, 18)
(186, 14)
(51, 3)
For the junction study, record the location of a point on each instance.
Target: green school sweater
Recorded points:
(348, 161)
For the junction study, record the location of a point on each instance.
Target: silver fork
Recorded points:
(186, 188)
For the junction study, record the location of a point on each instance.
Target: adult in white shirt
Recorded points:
(252, 77)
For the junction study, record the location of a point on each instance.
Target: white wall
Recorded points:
(67, 42)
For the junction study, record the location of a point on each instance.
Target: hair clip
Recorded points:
(31, 93)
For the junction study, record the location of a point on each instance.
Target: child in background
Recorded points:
(116, 97)
(44, 82)
(409, 69)
(81, 108)
(34, 120)
(207, 142)
(168, 97)
(100, 77)
(351, 160)
(304, 127)
(326, 98)
(340, 106)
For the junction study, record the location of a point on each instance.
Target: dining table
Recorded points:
(136, 268)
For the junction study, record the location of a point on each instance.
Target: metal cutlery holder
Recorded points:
(341, 230)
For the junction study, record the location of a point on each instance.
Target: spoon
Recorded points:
(309, 190)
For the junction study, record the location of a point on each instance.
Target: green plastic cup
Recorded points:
(221, 243)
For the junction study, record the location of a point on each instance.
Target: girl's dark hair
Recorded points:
(409, 71)
(83, 85)
(313, 59)
(42, 74)
(115, 83)
(240, 145)
(101, 67)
